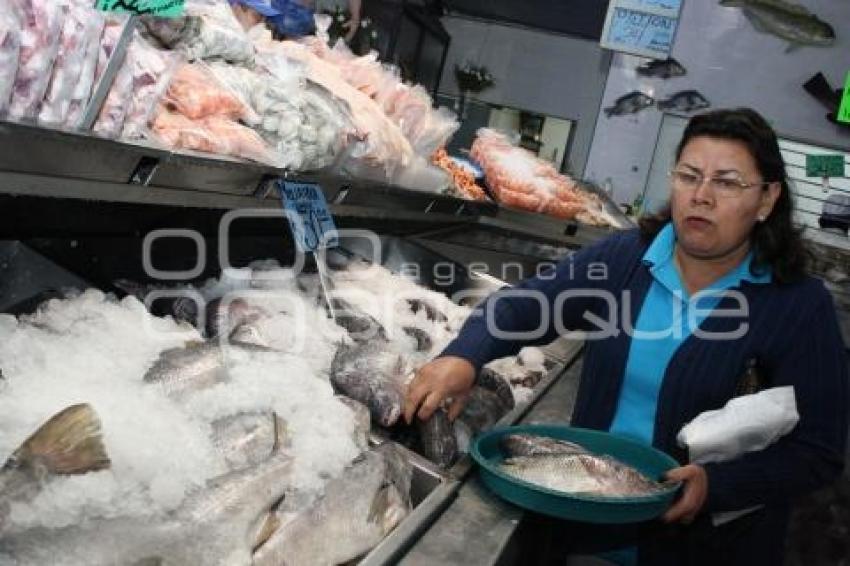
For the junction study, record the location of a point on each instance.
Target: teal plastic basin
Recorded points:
(487, 452)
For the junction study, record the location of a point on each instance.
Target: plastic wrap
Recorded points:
(10, 51)
(85, 85)
(208, 31)
(200, 113)
(212, 134)
(745, 424)
(195, 93)
(378, 141)
(520, 179)
(81, 25)
(110, 121)
(42, 21)
(152, 70)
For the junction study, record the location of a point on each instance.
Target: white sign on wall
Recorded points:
(641, 27)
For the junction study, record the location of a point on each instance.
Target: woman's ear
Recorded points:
(768, 200)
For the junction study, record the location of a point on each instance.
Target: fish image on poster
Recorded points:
(685, 101)
(786, 20)
(666, 69)
(631, 103)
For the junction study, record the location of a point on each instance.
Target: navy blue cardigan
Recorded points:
(792, 330)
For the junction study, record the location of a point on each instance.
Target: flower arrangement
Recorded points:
(473, 78)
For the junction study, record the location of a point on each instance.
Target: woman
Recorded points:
(728, 229)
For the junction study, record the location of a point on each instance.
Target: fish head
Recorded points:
(644, 101)
(387, 405)
(821, 32)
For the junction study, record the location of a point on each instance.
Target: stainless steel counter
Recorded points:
(477, 527)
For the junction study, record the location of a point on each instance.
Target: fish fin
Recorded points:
(281, 436)
(68, 443)
(270, 525)
(609, 111)
(757, 22)
(379, 504)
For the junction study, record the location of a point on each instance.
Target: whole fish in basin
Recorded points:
(69, 443)
(535, 445)
(791, 22)
(580, 473)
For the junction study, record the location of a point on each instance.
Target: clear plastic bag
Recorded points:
(110, 121)
(85, 85)
(152, 71)
(42, 21)
(212, 134)
(208, 31)
(81, 24)
(195, 93)
(10, 51)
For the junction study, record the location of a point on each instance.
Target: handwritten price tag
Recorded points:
(312, 224)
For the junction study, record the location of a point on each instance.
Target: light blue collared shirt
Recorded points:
(665, 313)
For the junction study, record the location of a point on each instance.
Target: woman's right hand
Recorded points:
(436, 381)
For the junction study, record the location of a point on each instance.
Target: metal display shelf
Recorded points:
(39, 162)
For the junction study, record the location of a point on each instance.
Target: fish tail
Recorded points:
(70, 442)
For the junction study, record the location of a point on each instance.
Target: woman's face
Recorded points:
(712, 224)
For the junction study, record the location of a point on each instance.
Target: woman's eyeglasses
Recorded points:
(722, 186)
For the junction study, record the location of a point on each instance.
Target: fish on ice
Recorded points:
(355, 513)
(69, 443)
(218, 525)
(374, 374)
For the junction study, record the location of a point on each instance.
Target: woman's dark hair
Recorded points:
(776, 242)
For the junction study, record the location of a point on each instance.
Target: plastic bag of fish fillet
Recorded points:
(746, 424)
(82, 25)
(10, 49)
(41, 23)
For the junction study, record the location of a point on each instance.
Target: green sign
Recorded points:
(844, 109)
(824, 166)
(163, 8)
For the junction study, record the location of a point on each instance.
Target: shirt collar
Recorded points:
(660, 252)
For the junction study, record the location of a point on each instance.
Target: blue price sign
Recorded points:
(641, 27)
(311, 222)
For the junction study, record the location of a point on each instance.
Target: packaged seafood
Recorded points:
(110, 120)
(152, 69)
(10, 51)
(208, 31)
(81, 26)
(41, 24)
(519, 179)
(85, 85)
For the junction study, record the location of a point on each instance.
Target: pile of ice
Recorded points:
(93, 349)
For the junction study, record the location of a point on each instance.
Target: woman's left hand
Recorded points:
(693, 496)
